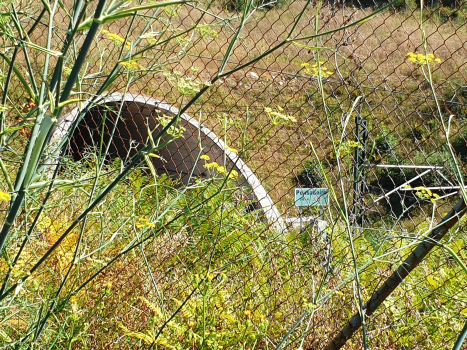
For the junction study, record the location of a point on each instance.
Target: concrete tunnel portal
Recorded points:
(178, 158)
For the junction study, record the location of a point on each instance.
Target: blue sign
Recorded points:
(311, 197)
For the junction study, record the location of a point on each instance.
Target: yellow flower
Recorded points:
(220, 169)
(131, 65)
(143, 222)
(73, 303)
(232, 150)
(185, 85)
(212, 165)
(117, 39)
(233, 175)
(4, 197)
(421, 59)
(278, 118)
(317, 69)
(205, 157)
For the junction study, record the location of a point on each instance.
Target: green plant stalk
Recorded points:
(211, 258)
(229, 51)
(20, 188)
(78, 13)
(82, 53)
(446, 129)
(119, 14)
(42, 93)
(461, 338)
(24, 36)
(6, 176)
(161, 329)
(31, 229)
(412, 261)
(40, 325)
(138, 242)
(154, 283)
(41, 133)
(345, 210)
(19, 76)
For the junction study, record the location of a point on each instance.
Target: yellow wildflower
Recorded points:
(221, 170)
(317, 69)
(174, 130)
(232, 150)
(117, 39)
(53, 230)
(131, 65)
(74, 305)
(348, 147)
(278, 118)
(143, 222)
(425, 193)
(185, 85)
(233, 174)
(4, 197)
(205, 157)
(212, 165)
(205, 31)
(421, 59)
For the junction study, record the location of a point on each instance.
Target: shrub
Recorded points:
(309, 177)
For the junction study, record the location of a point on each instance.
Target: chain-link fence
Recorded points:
(233, 174)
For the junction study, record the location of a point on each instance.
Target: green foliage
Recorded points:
(309, 177)
(209, 318)
(459, 144)
(447, 13)
(455, 96)
(238, 5)
(385, 145)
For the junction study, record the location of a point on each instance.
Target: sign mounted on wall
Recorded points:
(311, 197)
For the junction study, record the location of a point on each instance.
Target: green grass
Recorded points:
(162, 246)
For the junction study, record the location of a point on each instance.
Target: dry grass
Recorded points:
(369, 61)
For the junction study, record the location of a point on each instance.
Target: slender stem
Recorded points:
(81, 59)
(461, 338)
(412, 261)
(6, 176)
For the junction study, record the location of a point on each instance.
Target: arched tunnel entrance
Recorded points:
(126, 135)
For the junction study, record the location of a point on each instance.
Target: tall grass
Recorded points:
(107, 253)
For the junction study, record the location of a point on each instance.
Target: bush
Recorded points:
(309, 177)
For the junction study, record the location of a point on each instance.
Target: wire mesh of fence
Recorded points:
(233, 174)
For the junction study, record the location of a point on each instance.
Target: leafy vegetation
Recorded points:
(111, 252)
